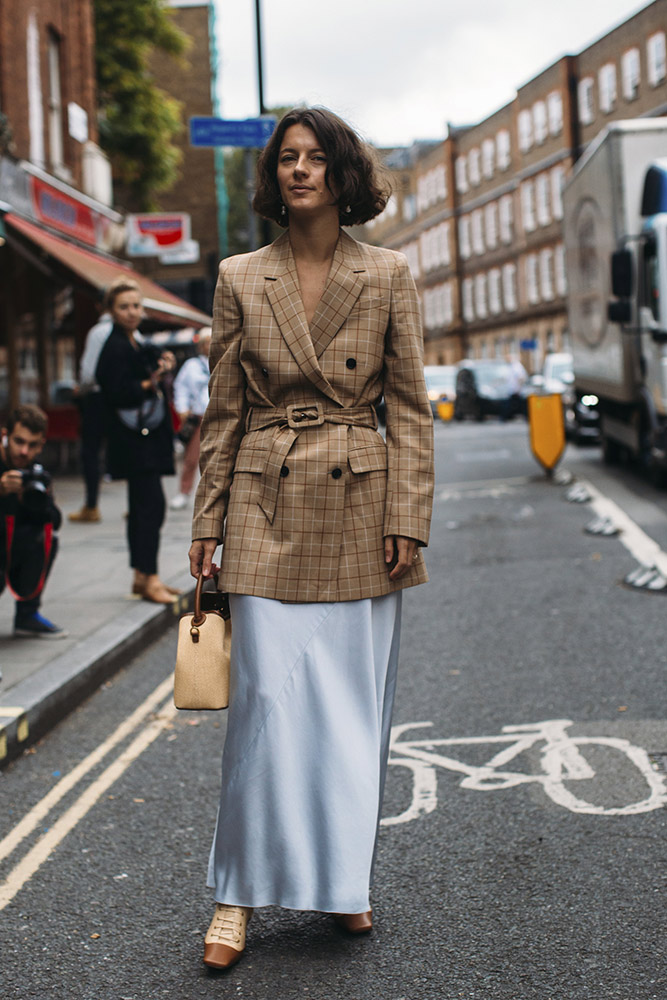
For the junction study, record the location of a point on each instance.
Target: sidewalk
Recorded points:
(88, 594)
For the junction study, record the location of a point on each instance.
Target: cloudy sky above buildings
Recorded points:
(399, 70)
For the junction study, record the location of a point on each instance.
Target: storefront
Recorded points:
(57, 257)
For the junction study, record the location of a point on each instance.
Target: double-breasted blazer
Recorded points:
(295, 476)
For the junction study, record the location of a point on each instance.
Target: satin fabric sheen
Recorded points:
(305, 756)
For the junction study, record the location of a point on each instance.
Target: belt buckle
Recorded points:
(306, 415)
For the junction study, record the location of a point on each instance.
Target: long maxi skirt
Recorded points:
(305, 756)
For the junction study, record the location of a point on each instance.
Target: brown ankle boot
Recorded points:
(225, 939)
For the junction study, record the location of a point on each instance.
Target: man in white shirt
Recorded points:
(190, 402)
(93, 418)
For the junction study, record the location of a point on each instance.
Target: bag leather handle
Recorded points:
(199, 617)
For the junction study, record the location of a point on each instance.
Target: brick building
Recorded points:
(484, 240)
(200, 186)
(59, 233)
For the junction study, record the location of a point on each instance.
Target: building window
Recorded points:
(438, 308)
(409, 208)
(488, 158)
(494, 291)
(474, 167)
(559, 269)
(442, 244)
(503, 149)
(543, 199)
(557, 181)
(428, 309)
(477, 225)
(411, 251)
(35, 107)
(509, 287)
(528, 206)
(546, 274)
(467, 294)
(555, 112)
(540, 130)
(607, 85)
(55, 104)
(491, 224)
(461, 174)
(525, 131)
(480, 296)
(631, 74)
(465, 247)
(431, 188)
(506, 217)
(656, 58)
(586, 101)
(532, 289)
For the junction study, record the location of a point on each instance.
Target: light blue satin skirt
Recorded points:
(305, 755)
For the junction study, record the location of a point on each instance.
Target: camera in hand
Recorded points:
(36, 481)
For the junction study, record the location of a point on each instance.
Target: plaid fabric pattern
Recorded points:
(340, 489)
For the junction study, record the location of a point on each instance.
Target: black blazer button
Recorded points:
(336, 473)
(284, 471)
(351, 363)
(265, 372)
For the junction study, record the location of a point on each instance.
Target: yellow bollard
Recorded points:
(445, 409)
(547, 430)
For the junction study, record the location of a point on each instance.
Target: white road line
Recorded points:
(36, 857)
(39, 811)
(644, 549)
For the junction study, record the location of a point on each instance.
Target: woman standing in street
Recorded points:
(140, 442)
(323, 528)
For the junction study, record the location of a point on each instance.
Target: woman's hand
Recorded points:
(201, 555)
(400, 554)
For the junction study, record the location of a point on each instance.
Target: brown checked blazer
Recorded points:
(294, 472)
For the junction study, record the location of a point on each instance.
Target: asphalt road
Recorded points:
(513, 865)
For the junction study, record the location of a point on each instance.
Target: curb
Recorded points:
(52, 692)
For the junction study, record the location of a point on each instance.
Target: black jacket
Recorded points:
(45, 513)
(120, 371)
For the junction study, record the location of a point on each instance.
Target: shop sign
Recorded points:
(60, 211)
(188, 253)
(157, 232)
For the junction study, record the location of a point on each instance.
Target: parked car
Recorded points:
(440, 384)
(486, 387)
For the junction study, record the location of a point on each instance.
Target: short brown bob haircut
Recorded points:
(116, 288)
(353, 170)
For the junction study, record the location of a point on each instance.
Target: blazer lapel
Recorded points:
(282, 291)
(342, 291)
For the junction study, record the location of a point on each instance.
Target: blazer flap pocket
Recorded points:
(251, 460)
(371, 458)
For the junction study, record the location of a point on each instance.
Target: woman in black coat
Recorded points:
(140, 442)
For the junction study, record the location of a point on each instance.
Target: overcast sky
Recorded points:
(398, 70)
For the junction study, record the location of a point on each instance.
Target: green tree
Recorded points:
(138, 121)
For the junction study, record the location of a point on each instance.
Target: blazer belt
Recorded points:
(297, 417)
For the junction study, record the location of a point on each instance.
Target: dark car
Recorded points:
(485, 388)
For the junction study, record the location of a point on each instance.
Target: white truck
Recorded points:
(615, 229)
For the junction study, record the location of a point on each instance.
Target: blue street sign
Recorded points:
(251, 133)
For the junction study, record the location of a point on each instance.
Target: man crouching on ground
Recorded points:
(29, 520)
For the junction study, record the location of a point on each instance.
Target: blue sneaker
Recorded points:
(36, 626)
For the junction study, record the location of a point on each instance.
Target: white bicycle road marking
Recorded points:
(561, 760)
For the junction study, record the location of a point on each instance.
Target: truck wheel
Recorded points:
(611, 451)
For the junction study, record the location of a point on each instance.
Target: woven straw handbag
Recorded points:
(201, 679)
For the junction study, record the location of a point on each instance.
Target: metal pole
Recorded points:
(260, 76)
(264, 225)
